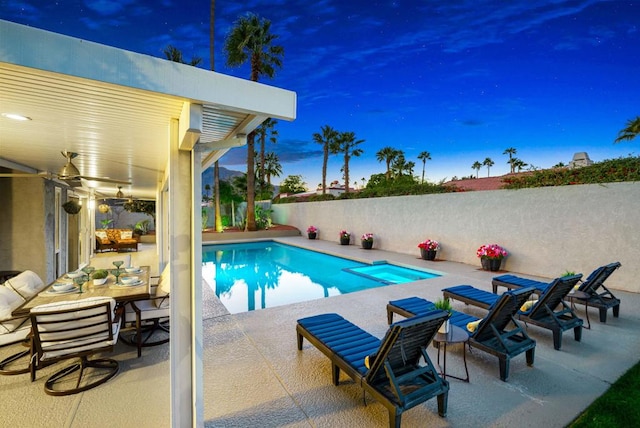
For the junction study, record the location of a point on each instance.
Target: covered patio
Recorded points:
(143, 123)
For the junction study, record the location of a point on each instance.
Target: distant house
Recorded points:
(580, 159)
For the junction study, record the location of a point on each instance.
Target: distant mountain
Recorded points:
(225, 174)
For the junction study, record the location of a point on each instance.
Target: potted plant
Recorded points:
(345, 237)
(491, 256)
(367, 241)
(72, 207)
(444, 305)
(99, 276)
(106, 222)
(428, 249)
(312, 232)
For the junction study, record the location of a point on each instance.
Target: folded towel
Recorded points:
(528, 305)
(473, 325)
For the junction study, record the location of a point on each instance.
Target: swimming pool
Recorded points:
(258, 275)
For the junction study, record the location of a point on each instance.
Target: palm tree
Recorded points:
(424, 157)
(174, 54)
(272, 167)
(327, 139)
(400, 165)
(488, 163)
(347, 144)
(267, 127)
(518, 164)
(510, 151)
(216, 165)
(631, 131)
(251, 40)
(476, 165)
(388, 155)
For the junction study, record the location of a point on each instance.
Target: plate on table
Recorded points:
(73, 289)
(132, 284)
(133, 270)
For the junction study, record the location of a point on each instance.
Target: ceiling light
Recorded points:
(15, 116)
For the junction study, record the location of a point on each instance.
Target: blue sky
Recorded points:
(463, 80)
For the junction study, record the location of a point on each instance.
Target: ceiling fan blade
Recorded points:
(104, 180)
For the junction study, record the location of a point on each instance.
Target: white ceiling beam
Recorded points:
(190, 125)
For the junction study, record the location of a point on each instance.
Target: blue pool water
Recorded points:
(258, 275)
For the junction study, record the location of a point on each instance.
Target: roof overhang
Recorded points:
(114, 108)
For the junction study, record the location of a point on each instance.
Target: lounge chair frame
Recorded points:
(550, 311)
(395, 379)
(492, 335)
(588, 296)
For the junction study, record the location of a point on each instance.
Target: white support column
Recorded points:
(180, 245)
(196, 308)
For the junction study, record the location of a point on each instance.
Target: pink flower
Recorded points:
(491, 251)
(312, 229)
(429, 245)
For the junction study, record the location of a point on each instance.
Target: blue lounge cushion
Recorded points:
(523, 282)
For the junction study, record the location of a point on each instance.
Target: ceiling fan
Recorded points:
(69, 173)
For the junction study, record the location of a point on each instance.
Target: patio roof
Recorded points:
(114, 108)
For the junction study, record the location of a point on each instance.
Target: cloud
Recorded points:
(107, 7)
(288, 151)
(23, 10)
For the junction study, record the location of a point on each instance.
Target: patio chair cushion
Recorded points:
(163, 288)
(9, 301)
(27, 284)
(91, 332)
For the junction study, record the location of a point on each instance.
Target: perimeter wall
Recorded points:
(546, 231)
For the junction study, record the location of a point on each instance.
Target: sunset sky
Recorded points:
(463, 80)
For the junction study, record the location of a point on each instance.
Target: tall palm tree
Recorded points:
(424, 157)
(266, 128)
(510, 151)
(400, 166)
(251, 40)
(388, 155)
(476, 165)
(631, 131)
(216, 165)
(327, 139)
(488, 163)
(347, 144)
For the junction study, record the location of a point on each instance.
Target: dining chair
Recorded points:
(75, 330)
(151, 316)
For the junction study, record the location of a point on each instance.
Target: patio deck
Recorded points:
(255, 376)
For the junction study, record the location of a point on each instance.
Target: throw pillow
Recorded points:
(27, 284)
(126, 234)
(9, 301)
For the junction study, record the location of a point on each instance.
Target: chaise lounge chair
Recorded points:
(549, 311)
(491, 334)
(395, 377)
(588, 295)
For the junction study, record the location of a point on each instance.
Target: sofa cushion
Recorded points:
(9, 301)
(27, 284)
(103, 237)
(126, 234)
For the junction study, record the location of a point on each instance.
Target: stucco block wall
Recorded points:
(547, 231)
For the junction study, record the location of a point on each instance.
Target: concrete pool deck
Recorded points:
(255, 376)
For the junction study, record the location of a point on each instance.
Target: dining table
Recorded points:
(120, 292)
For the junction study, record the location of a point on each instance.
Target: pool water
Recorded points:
(258, 275)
